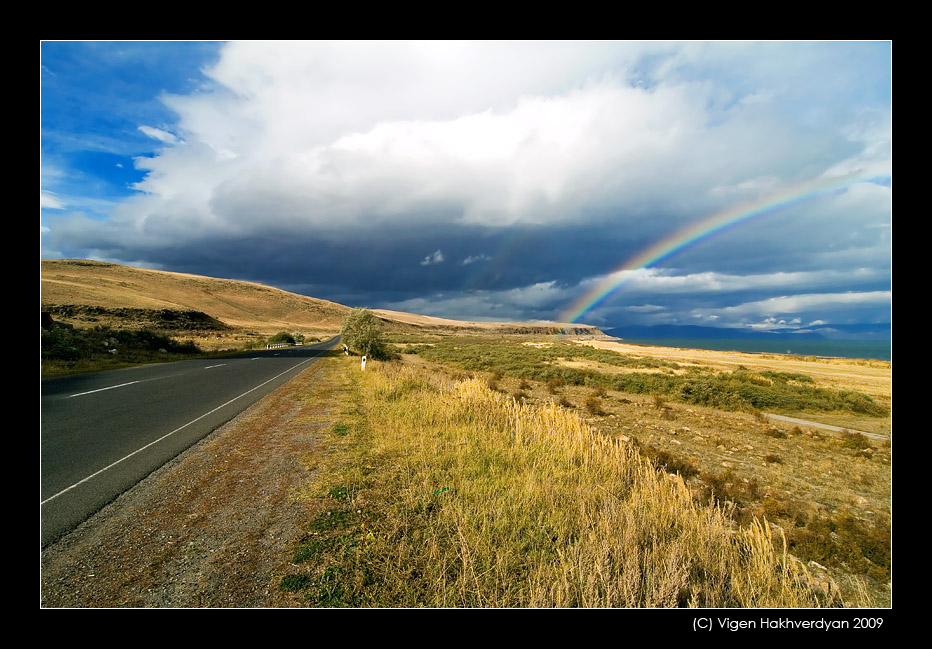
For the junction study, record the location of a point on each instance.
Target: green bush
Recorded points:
(63, 344)
(282, 337)
(362, 333)
(295, 583)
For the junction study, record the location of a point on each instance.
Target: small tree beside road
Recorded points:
(362, 333)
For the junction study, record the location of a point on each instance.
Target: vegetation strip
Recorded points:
(740, 390)
(442, 492)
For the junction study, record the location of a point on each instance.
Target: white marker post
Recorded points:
(364, 363)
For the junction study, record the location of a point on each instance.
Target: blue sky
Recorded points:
(481, 180)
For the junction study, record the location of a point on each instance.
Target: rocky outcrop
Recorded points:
(164, 319)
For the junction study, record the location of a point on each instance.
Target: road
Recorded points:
(101, 433)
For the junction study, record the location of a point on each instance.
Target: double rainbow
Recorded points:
(703, 230)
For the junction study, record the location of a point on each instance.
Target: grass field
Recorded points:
(455, 488)
(755, 384)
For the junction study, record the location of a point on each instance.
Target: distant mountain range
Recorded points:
(819, 332)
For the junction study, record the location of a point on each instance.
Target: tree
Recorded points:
(362, 332)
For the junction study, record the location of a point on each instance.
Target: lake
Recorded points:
(875, 349)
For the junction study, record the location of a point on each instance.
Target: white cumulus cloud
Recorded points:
(432, 259)
(158, 134)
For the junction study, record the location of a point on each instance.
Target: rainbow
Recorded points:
(702, 231)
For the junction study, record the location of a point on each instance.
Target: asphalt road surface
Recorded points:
(101, 433)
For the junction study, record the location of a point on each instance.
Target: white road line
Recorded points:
(122, 385)
(209, 367)
(139, 450)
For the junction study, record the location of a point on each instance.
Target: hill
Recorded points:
(216, 312)
(398, 321)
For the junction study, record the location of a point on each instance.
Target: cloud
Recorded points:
(798, 303)
(871, 306)
(472, 259)
(663, 282)
(48, 200)
(274, 140)
(529, 303)
(158, 134)
(435, 258)
(559, 160)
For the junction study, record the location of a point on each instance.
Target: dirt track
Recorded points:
(816, 424)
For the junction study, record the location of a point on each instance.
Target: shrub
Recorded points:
(282, 337)
(672, 463)
(843, 540)
(61, 344)
(66, 344)
(855, 440)
(362, 332)
(594, 406)
(294, 583)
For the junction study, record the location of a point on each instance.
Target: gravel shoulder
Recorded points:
(215, 527)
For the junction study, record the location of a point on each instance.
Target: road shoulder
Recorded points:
(216, 526)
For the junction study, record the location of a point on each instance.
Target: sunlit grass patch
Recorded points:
(500, 503)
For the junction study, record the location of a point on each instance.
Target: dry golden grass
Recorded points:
(871, 377)
(605, 368)
(832, 495)
(477, 500)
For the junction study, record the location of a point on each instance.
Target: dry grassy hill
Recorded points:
(88, 293)
(217, 313)
(398, 321)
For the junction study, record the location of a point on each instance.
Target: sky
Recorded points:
(613, 183)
